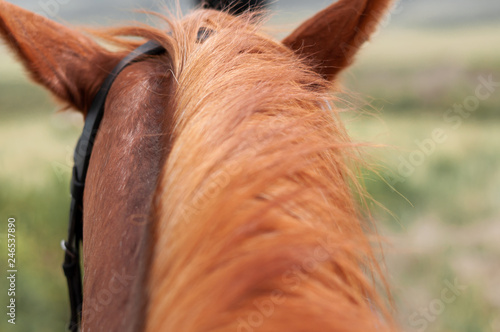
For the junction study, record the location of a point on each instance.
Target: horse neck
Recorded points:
(255, 182)
(121, 179)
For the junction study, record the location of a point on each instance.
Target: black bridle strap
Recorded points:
(83, 151)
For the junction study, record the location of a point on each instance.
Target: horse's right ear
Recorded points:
(332, 37)
(68, 63)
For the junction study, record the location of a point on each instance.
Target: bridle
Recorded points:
(83, 151)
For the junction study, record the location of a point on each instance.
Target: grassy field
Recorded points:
(441, 199)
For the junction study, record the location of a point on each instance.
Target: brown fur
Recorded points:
(255, 182)
(71, 65)
(230, 150)
(122, 177)
(332, 37)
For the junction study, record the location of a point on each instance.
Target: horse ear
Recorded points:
(332, 37)
(68, 63)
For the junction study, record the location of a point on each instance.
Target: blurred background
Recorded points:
(421, 102)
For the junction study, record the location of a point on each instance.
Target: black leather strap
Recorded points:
(83, 151)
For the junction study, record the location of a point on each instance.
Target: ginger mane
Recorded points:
(255, 225)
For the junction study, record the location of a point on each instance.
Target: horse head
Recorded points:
(217, 195)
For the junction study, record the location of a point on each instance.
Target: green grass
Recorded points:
(444, 217)
(35, 164)
(443, 220)
(427, 71)
(457, 181)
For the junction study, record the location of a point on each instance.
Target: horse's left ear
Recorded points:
(68, 63)
(332, 37)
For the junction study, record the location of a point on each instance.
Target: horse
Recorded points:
(219, 193)
(235, 7)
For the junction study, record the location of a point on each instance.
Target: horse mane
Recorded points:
(255, 226)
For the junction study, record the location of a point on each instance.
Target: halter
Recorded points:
(83, 151)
